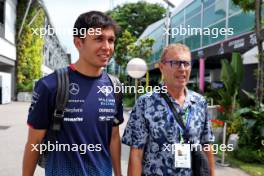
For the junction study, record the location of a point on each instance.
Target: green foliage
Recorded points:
(234, 126)
(29, 47)
(142, 50)
(129, 100)
(225, 77)
(133, 19)
(123, 78)
(253, 5)
(253, 169)
(121, 49)
(250, 131)
(251, 135)
(238, 69)
(246, 5)
(231, 76)
(252, 97)
(250, 155)
(136, 17)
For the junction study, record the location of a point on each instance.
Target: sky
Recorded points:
(63, 14)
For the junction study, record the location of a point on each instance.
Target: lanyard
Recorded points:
(187, 117)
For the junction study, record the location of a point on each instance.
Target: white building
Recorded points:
(7, 39)
(54, 55)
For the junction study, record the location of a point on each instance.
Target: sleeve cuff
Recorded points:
(117, 122)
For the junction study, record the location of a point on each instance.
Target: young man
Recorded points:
(152, 130)
(92, 143)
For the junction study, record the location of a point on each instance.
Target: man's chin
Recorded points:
(102, 64)
(179, 85)
(176, 85)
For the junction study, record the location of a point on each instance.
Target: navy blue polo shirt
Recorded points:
(82, 145)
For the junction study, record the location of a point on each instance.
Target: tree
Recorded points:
(121, 49)
(142, 50)
(136, 17)
(231, 76)
(29, 46)
(256, 5)
(133, 19)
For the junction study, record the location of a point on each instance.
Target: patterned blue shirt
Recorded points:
(152, 127)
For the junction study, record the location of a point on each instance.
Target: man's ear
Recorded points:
(77, 42)
(160, 66)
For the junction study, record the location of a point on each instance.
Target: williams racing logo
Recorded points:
(106, 90)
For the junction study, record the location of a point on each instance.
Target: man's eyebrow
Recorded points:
(112, 37)
(104, 36)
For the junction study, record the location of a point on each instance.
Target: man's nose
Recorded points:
(181, 66)
(106, 45)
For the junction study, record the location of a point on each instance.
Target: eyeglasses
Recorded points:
(177, 63)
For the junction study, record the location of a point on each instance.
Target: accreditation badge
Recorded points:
(182, 155)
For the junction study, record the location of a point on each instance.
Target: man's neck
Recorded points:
(178, 94)
(86, 69)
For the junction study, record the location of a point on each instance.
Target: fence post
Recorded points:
(224, 142)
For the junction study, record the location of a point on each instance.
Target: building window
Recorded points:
(2, 16)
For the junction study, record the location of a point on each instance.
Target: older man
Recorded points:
(154, 134)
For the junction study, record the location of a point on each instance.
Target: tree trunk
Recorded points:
(260, 75)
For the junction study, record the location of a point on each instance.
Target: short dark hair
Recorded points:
(94, 19)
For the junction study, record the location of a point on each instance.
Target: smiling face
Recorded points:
(175, 76)
(96, 49)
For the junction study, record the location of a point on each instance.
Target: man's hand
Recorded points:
(210, 157)
(115, 150)
(30, 155)
(135, 162)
